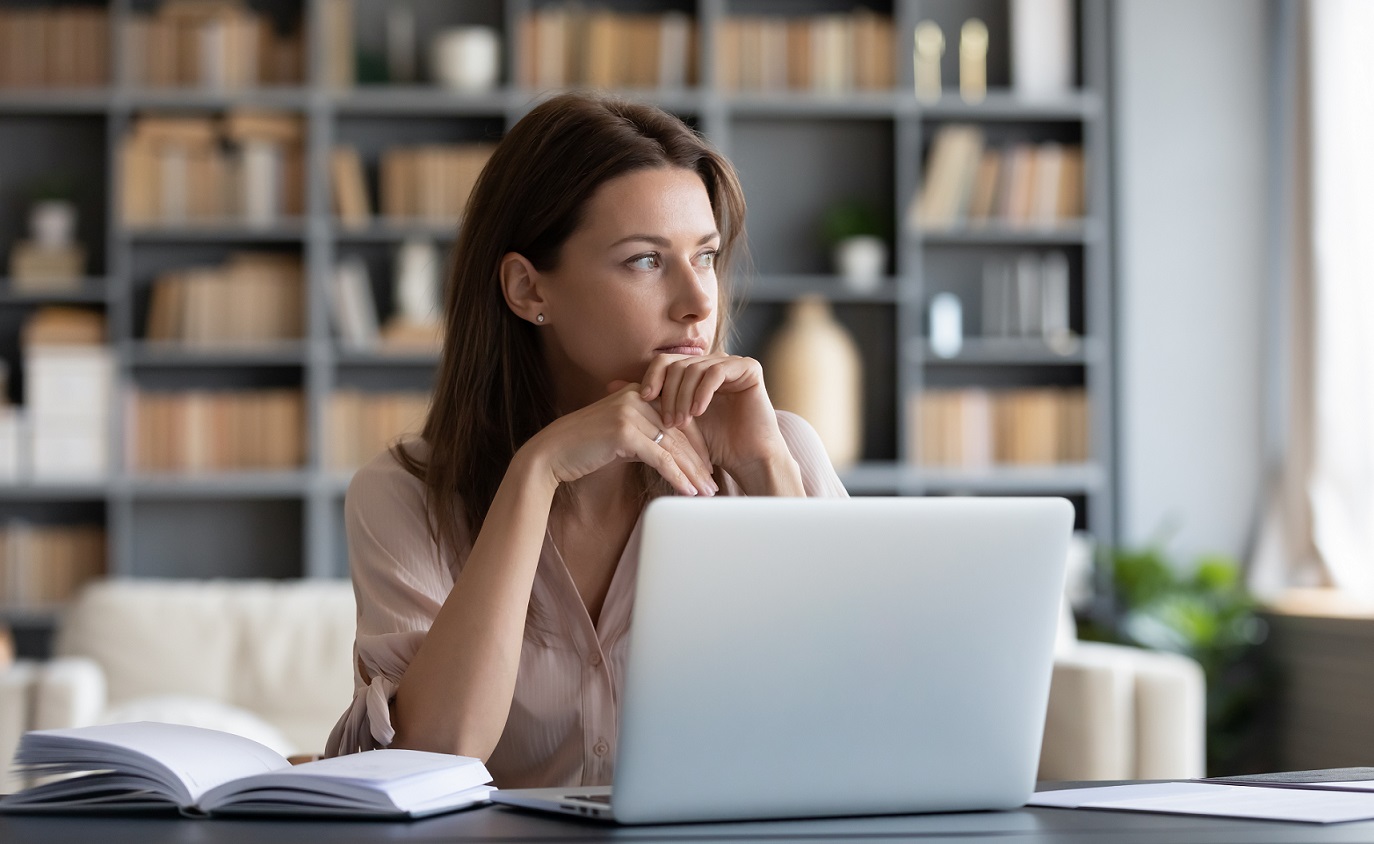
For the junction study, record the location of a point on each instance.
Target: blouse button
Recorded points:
(601, 748)
(595, 661)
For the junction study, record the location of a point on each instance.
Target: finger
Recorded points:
(692, 375)
(690, 459)
(692, 432)
(616, 386)
(666, 464)
(668, 398)
(706, 388)
(652, 381)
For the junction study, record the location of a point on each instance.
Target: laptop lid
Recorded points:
(811, 657)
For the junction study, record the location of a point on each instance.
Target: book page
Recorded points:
(382, 780)
(1233, 801)
(187, 761)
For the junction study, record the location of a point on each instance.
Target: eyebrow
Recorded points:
(661, 241)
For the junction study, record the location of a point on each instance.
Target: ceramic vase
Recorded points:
(1042, 48)
(860, 261)
(813, 369)
(466, 58)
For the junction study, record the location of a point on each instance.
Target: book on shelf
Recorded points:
(340, 66)
(256, 298)
(247, 167)
(216, 430)
(351, 202)
(12, 441)
(829, 53)
(967, 181)
(977, 428)
(1029, 297)
(55, 47)
(354, 309)
(68, 385)
(566, 45)
(42, 566)
(430, 182)
(210, 44)
(146, 766)
(362, 424)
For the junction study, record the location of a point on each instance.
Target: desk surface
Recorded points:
(498, 824)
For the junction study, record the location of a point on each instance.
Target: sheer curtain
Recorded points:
(1319, 525)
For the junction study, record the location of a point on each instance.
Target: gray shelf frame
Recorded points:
(324, 364)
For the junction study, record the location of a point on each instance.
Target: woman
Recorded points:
(582, 374)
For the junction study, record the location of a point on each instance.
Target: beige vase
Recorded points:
(813, 370)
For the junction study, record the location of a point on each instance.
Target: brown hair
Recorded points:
(493, 390)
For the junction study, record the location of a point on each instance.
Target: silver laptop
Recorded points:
(822, 657)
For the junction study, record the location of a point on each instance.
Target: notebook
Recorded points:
(825, 657)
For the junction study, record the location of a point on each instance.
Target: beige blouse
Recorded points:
(563, 720)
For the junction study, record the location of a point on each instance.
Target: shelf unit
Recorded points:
(869, 145)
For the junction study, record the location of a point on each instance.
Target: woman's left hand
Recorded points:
(720, 400)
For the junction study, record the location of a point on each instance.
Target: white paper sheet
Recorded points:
(1234, 801)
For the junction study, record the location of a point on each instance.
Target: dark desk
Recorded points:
(500, 824)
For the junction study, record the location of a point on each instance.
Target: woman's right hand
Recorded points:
(621, 428)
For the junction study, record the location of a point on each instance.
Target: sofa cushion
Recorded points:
(280, 649)
(155, 637)
(294, 665)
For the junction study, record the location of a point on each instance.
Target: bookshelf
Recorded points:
(869, 144)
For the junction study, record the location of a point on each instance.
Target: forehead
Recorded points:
(663, 200)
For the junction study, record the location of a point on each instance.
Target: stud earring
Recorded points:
(539, 318)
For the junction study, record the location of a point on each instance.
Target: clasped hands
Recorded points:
(712, 410)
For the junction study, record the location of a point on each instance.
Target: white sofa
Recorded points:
(272, 660)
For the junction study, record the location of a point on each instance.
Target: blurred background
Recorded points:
(1104, 249)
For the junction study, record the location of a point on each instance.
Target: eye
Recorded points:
(707, 259)
(647, 261)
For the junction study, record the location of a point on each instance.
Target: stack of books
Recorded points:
(246, 168)
(363, 424)
(428, 183)
(570, 45)
(42, 566)
(219, 431)
(256, 299)
(966, 182)
(68, 384)
(214, 44)
(54, 47)
(977, 428)
(822, 53)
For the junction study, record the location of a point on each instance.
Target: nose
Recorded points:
(694, 293)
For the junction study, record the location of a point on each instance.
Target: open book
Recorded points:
(148, 765)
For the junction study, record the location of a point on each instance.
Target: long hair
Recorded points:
(493, 389)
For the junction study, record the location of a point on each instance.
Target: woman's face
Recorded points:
(635, 280)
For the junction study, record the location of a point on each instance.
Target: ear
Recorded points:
(520, 283)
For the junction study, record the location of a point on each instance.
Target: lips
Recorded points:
(684, 348)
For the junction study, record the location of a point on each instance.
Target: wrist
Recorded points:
(532, 464)
(777, 473)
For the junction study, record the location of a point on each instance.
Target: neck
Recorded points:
(603, 495)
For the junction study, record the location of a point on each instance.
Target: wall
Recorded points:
(1191, 98)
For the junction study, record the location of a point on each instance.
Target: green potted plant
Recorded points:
(855, 234)
(1203, 611)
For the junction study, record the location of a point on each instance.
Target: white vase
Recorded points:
(52, 223)
(861, 262)
(1042, 48)
(466, 58)
(813, 370)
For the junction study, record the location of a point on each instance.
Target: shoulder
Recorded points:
(384, 485)
(801, 437)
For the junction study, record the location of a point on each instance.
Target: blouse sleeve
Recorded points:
(400, 583)
(819, 478)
